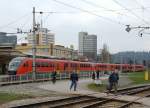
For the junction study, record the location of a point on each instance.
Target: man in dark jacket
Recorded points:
(74, 80)
(113, 80)
(53, 76)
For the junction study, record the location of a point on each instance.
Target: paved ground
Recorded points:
(63, 86)
(29, 88)
(48, 89)
(60, 89)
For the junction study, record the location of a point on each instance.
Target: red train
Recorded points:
(23, 65)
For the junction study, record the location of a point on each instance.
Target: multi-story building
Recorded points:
(12, 39)
(43, 37)
(40, 49)
(53, 51)
(88, 45)
(45, 46)
(63, 52)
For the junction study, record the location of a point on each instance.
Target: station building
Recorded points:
(52, 51)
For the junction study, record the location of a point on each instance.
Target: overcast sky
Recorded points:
(104, 18)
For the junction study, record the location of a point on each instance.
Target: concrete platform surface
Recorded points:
(63, 87)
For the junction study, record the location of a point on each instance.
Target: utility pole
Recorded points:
(34, 46)
(134, 62)
(121, 62)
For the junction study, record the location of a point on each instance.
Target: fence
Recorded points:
(14, 79)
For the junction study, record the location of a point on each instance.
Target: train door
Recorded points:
(65, 67)
(78, 67)
(57, 67)
(25, 67)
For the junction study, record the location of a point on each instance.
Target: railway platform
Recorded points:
(63, 87)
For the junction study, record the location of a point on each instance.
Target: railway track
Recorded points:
(82, 102)
(137, 91)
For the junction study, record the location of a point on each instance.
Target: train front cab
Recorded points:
(14, 64)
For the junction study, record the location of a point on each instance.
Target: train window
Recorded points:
(66, 65)
(57, 66)
(42, 64)
(25, 64)
(37, 64)
(51, 65)
(89, 65)
(75, 65)
(83, 65)
(45, 64)
(71, 65)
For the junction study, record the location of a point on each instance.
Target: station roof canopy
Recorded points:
(7, 53)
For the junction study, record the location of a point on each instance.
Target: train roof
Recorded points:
(49, 59)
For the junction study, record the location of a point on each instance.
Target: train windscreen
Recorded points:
(14, 64)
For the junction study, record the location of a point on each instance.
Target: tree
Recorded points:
(105, 55)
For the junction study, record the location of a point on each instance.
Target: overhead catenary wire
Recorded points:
(57, 12)
(96, 5)
(14, 21)
(26, 22)
(129, 10)
(143, 8)
(102, 17)
(107, 9)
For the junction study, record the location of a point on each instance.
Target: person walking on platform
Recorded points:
(53, 76)
(113, 81)
(74, 80)
(97, 74)
(93, 76)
